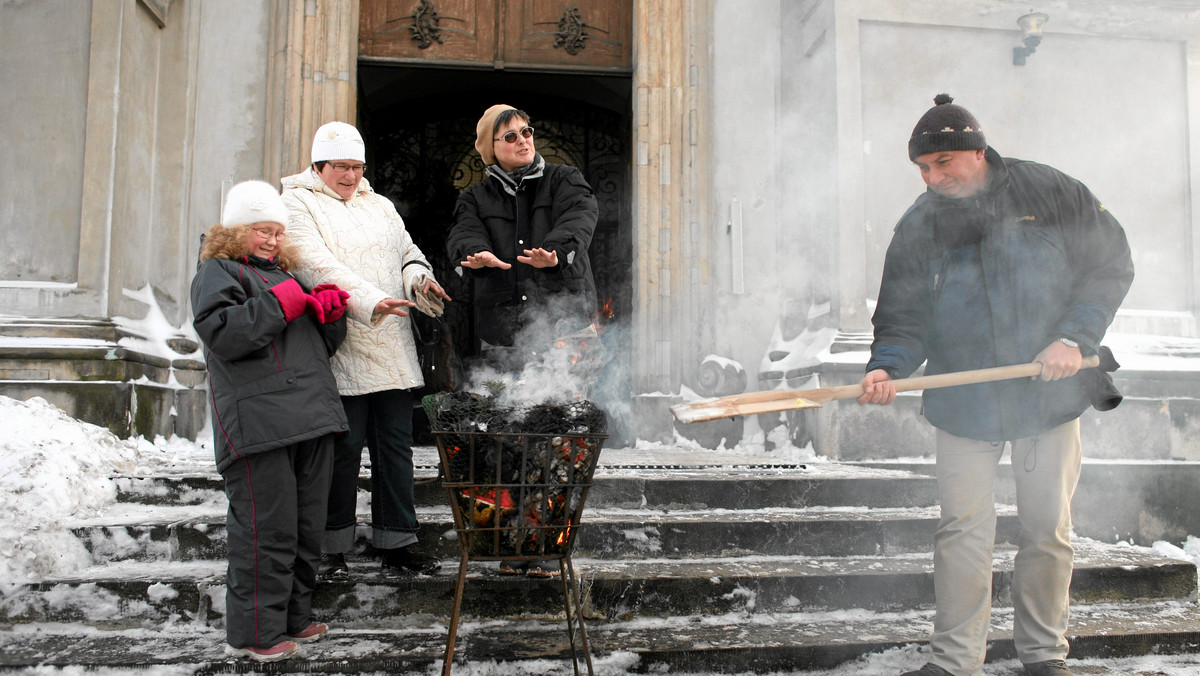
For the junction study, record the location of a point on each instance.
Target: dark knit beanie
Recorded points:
(945, 126)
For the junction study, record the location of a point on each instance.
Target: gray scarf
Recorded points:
(512, 181)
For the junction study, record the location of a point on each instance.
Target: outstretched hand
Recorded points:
(539, 258)
(484, 259)
(394, 306)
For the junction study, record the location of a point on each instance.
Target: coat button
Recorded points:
(291, 381)
(524, 298)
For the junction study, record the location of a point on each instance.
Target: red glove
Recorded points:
(295, 302)
(332, 300)
(291, 298)
(312, 306)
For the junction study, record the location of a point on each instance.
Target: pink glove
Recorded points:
(312, 306)
(291, 298)
(332, 300)
(295, 302)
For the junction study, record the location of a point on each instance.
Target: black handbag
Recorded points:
(435, 351)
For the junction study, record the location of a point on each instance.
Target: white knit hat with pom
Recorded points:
(253, 202)
(338, 141)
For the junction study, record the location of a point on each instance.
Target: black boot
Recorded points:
(333, 567)
(411, 559)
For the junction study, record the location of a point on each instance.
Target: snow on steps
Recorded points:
(132, 593)
(731, 643)
(717, 569)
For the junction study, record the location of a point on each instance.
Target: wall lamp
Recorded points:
(1031, 36)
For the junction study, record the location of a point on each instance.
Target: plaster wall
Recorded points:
(123, 136)
(1081, 104)
(1108, 96)
(136, 176)
(809, 140)
(824, 95)
(746, 178)
(43, 113)
(229, 108)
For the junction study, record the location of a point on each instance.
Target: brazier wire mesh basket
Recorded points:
(517, 481)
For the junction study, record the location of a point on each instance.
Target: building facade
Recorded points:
(749, 155)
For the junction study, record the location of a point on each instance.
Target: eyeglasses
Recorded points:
(268, 234)
(511, 137)
(342, 167)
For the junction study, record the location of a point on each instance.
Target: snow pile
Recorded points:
(155, 330)
(1189, 552)
(175, 455)
(51, 467)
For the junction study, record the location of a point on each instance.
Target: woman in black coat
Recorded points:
(522, 234)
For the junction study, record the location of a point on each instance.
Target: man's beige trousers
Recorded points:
(1046, 470)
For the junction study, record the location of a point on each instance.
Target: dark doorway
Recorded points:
(419, 126)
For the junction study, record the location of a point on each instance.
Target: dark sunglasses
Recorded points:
(511, 137)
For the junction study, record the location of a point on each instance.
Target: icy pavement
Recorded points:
(887, 663)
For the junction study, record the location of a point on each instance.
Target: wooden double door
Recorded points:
(592, 35)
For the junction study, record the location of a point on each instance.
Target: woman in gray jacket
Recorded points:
(275, 411)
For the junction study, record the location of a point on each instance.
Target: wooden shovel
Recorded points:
(771, 401)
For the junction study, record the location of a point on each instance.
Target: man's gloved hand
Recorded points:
(332, 301)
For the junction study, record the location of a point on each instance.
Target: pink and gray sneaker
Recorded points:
(313, 632)
(278, 652)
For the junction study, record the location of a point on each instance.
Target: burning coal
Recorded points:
(517, 476)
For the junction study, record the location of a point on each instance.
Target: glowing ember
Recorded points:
(517, 477)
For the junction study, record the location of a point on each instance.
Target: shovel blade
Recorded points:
(699, 411)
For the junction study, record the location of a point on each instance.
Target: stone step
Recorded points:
(49, 330)
(632, 486)
(137, 594)
(189, 532)
(709, 643)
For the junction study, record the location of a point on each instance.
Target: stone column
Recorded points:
(313, 77)
(671, 173)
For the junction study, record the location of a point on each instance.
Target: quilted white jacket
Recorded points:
(361, 245)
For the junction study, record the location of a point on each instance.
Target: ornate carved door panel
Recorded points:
(459, 31)
(568, 33)
(592, 36)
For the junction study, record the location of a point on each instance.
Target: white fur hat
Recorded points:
(338, 141)
(253, 202)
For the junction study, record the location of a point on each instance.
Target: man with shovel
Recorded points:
(1001, 261)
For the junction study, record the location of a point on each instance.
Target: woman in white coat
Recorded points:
(353, 237)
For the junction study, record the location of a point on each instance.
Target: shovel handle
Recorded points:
(957, 378)
(770, 401)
